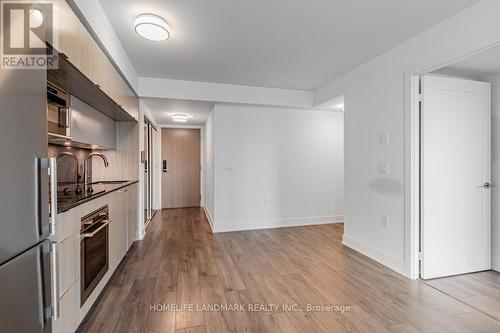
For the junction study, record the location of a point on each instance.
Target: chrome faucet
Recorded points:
(85, 165)
(75, 177)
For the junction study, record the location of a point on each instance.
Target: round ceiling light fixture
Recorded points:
(152, 27)
(180, 118)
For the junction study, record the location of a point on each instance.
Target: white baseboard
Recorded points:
(495, 263)
(209, 217)
(277, 223)
(372, 253)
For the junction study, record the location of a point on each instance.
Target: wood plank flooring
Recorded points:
(478, 290)
(181, 262)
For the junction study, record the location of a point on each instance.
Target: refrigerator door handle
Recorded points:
(52, 165)
(54, 272)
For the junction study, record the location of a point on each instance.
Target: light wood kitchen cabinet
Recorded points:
(123, 211)
(132, 104)
(67, 241)
(69, 30)
(132, 215)
(122, 229)
(84, 53)
(69, 270)
(114, 231)
(69, 305)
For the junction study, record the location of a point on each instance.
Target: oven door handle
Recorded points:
(93, 233)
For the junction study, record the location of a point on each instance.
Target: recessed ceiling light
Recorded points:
(180, 118)
(152, 27)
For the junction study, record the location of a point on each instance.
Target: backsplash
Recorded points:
(66, 164)
(123, 161)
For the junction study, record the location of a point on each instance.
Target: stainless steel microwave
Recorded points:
(58, 112)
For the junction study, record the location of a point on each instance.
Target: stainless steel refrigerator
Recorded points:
(28, 278)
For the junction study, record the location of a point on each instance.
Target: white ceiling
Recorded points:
(295, 44)
(475, 67)
(162, 110)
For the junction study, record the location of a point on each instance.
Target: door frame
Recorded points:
(202, 156)
(412, 148)
(151, 163)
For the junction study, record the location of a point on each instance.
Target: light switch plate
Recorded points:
(384, 138)
(383, 168)
(385, 222)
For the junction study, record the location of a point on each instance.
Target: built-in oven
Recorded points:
(94, 250)
(58, 112)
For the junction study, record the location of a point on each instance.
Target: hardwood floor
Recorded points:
(478, 290)
(181, 262)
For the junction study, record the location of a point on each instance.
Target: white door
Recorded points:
(455, 166)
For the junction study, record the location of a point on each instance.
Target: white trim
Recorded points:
(495, 263)
(140, 235)
(209, 217)
(277, 223)
(412, 177)
(391, 262)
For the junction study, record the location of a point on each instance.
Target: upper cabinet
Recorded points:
(83, 52)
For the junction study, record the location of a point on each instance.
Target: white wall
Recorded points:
(277, 167)
(377, 100)
(208, 187)
(495, 170)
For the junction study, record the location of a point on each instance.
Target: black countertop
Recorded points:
(72, 195)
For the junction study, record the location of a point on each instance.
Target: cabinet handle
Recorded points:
(165, 166)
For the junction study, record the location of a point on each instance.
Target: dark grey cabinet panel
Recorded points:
(91, 126)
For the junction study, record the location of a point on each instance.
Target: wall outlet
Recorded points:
(385, 222)
(383, 168)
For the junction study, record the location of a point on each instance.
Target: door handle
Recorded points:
(488, 186)
(165, 167)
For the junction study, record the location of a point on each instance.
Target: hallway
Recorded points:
(181, 262)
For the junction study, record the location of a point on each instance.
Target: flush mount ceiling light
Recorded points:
(180, 118)
(152, 27)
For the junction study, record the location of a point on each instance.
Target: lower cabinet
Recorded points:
(122, 230)
(69, 271)
(69, 305)
(132, 215)
(123, 212)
